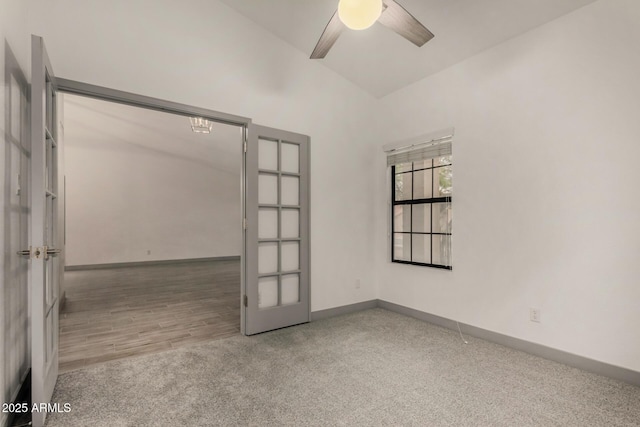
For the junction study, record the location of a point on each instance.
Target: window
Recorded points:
(421, 205)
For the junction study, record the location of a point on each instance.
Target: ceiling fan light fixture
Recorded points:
(359, 14)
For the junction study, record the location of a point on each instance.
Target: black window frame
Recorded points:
(410, 202)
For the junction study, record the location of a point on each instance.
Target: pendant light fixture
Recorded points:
(200, 125)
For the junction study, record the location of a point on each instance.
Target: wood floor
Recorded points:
(121, 312)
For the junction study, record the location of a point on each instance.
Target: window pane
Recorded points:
(422, 231)
(290, 190)
(16, 109)
(267, 223)
(421, 218)
(267, 258)
(267, 154)
(402, 218)
(444, 160)
(267, 292)
(421, 248)
(403, 167)
(403, 186)
(402, 247)
(422, 184)
(442, 181)
(442, 250)
(442, 217)
(290, 256)
(290, 289)
(290, 158)
(423, 164)
(290, 223)
(268, 189)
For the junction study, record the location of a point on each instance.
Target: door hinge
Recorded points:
(246, 301)
(244, 223)
(245, 146)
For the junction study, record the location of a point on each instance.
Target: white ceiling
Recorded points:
(157, 132)
(380, 61)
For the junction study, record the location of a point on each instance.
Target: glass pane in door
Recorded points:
(267, 223)
(290, 190)
(268, 189)
(267, 292)
(267, 258)
(267, 155)
(290, 289)
(290, 223)
(290, 158)
(290, 256)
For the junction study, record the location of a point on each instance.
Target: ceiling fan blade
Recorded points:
(396, 18)
(328, 38)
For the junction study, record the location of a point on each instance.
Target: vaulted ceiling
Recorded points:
(89, 121)
(380, 61)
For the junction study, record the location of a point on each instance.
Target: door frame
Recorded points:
(66, 86)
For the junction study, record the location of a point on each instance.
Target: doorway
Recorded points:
(153, 231)
(274, 285)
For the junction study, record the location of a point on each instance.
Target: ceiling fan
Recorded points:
(361, 14)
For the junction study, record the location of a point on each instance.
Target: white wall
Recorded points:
(222, 61)
(545, 186)
(14, 345)
(543, 217)
(142, 186)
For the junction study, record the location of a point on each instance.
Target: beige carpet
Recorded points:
(364, 369)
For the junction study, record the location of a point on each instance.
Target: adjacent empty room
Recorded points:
(153, 231)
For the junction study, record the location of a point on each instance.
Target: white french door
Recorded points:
(44, 267)
(277, 235)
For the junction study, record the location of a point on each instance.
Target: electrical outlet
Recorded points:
(357, 283)
(149, 252)
(534, 315)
